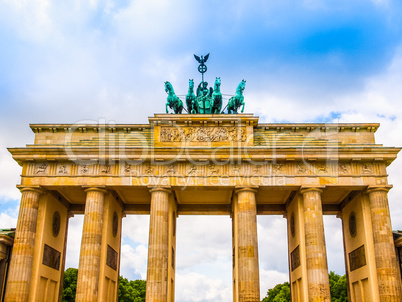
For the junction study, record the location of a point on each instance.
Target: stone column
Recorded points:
(158, 246)
(316, 255)
(89, 265)
(389, 283)
(247, 250)
(19, 277)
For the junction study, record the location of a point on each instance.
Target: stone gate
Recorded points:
(203, 164)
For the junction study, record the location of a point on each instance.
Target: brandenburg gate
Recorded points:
(221, 164)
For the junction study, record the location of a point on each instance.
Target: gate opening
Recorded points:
(204, 258)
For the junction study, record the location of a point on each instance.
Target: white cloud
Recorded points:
(133, 261)
(29, 18)
(199, 288)
(74, 241)
(136, 228)
(9, 218)
(270, 278)
(334, 244)
(272, 243)
(204, 240)
(9, 177)
(380, 101)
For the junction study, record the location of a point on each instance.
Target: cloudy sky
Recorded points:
(304, 61)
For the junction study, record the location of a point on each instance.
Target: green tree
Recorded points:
(129, 291)
(69, 285)
(280, 293)
(337, 285)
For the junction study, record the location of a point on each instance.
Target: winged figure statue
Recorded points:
(201, 60)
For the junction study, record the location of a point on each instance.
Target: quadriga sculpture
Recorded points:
(173, 100)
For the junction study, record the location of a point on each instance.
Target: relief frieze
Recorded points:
(203, 134)
(206, 169)
(171, 169)
(192, 171)
(63, 169)
(213, 170)
(104, 169)
(321, 168)
(367, 168)
(344, 168)
(236, 169)
(301, 168)
(127, 168)
(42, 168)
(149, 169)
(277, 169)
(257, 170)
(85, 169)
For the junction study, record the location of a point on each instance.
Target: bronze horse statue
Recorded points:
(217, 97)
(238, 99)
(173, 100)
(191, 101)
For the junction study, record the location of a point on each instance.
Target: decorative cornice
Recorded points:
(323, 127)
(204, 119)
(95, 128)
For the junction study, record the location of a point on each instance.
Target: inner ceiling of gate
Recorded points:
(209, 200)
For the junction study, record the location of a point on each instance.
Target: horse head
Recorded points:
(241, 86)
(217, 82)
(168, 87)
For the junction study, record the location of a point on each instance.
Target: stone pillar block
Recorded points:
(19, 278)
(90, 254)
(316, 255)
(247, 246)
(389, 282)
(158, 246)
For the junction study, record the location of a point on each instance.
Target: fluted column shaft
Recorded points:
(158, 251)
(389, 282)
(316, 255)
(248, 271)
(19, 277)
(90, 254)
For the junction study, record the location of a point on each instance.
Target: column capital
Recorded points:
(372, 189)
(96, 189)
(318, 189)
(239, 189)
(166, 189)
(36, 189)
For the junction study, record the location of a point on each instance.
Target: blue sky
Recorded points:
(304, 61)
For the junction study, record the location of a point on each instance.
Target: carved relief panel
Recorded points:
(203, 135)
